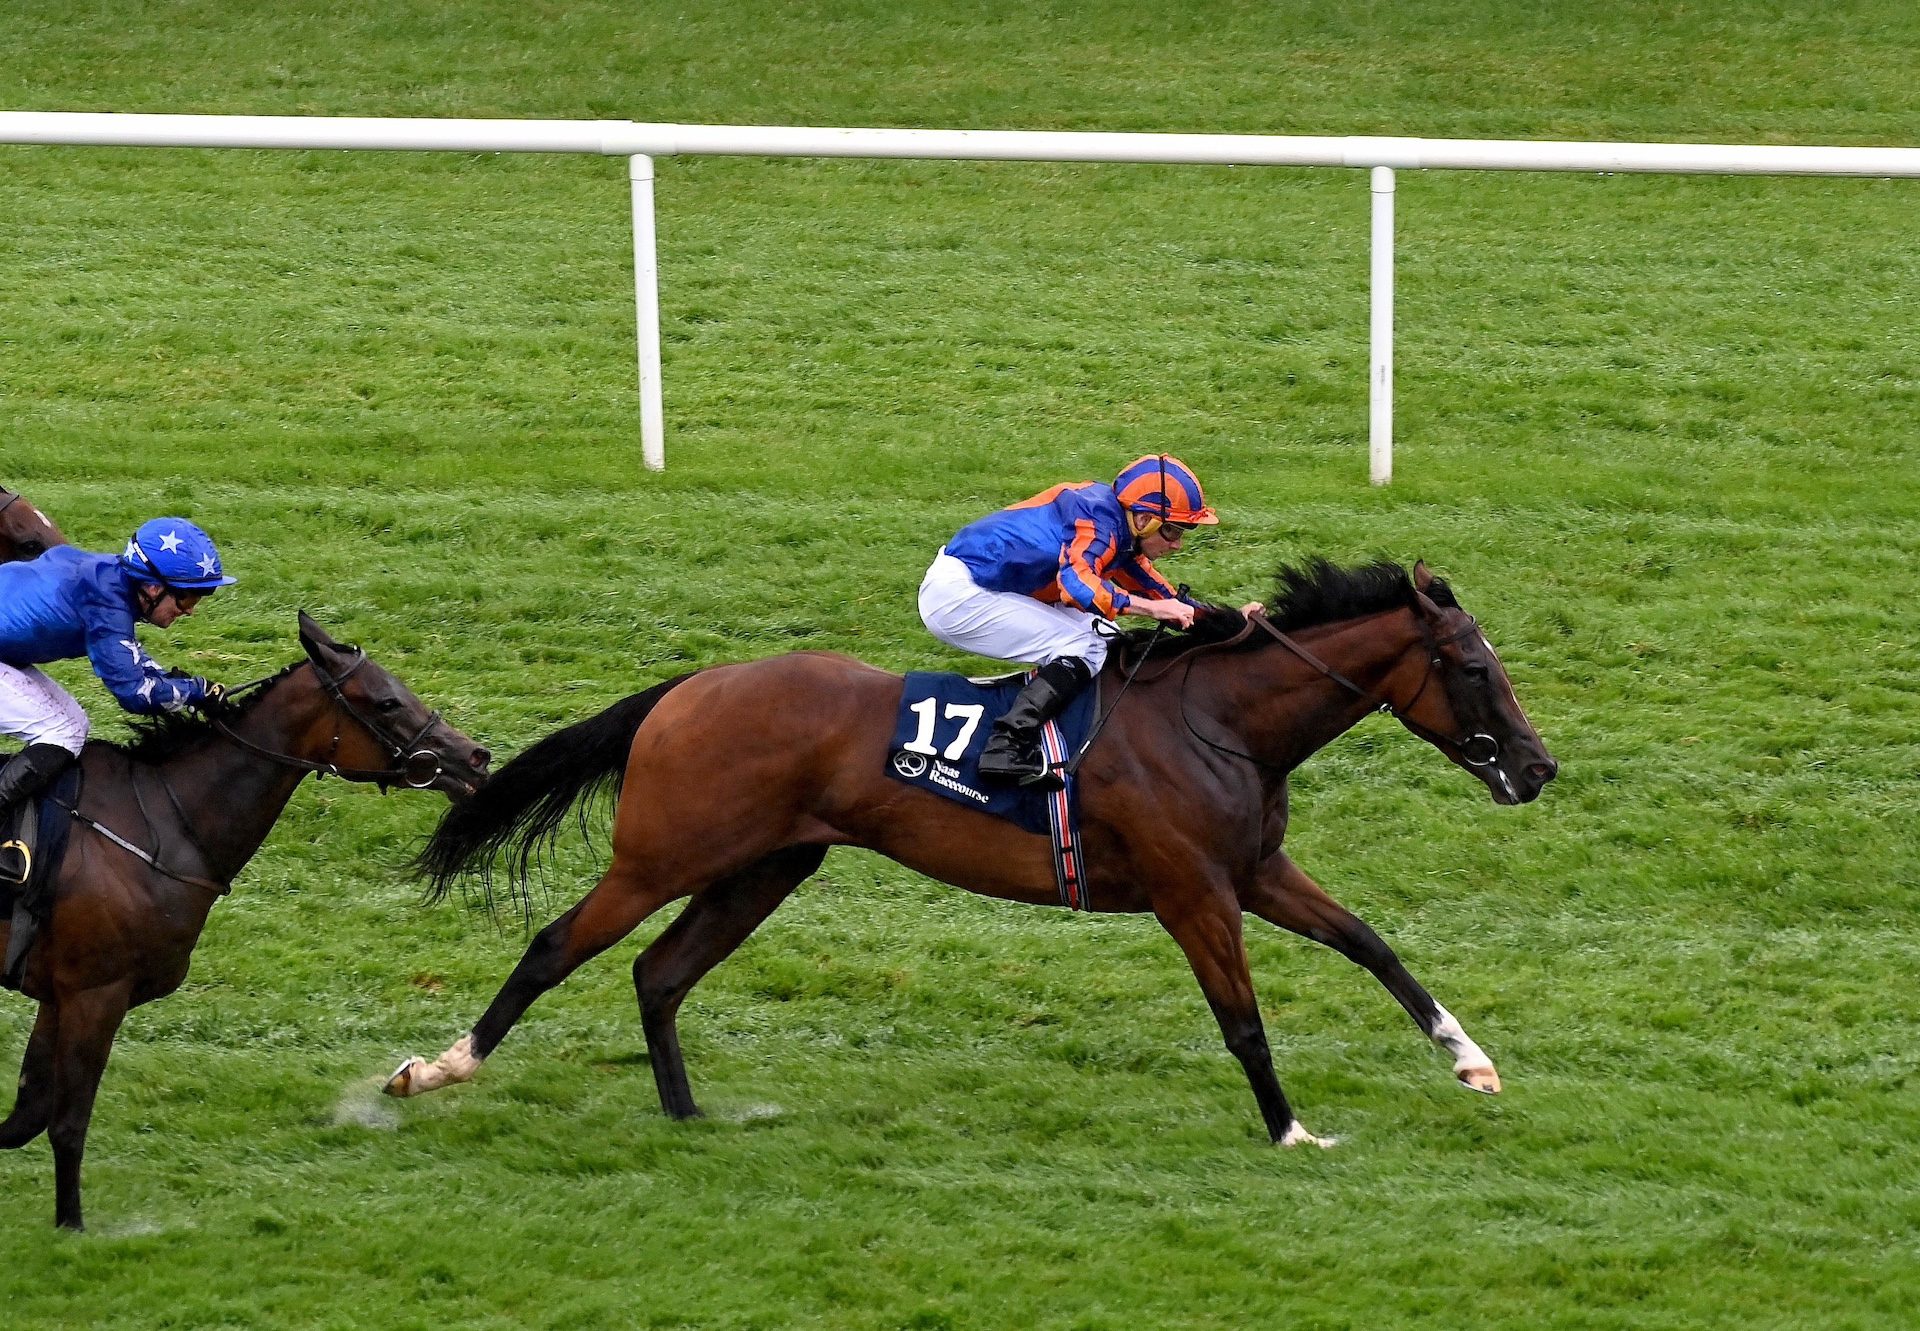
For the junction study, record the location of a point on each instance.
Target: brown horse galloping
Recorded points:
(733, 782)
(166, 825)
(25, 532)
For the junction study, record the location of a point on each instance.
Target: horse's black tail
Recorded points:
(520, 808)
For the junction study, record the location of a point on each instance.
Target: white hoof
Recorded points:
(1299, 1136)
(416, 1076)
(1481, 1078)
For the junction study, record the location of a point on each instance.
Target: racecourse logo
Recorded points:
(948, 776)
(910, 765)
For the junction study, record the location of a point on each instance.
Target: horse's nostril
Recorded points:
(480, 758)
(1545, 771)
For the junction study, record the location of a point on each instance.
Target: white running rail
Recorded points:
(642, 141)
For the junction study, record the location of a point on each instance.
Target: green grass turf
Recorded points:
(1657, 431)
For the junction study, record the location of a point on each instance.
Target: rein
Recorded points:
(1464, 745)
(1100, 724)
(1145, 654)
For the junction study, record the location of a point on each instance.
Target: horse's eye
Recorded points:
(1475, 671)
(389, 705)
(32, 549)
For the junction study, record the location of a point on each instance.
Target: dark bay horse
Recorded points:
(25, 532)
(733, 781)
(165, 825)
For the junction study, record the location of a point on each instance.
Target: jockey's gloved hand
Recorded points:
(215, 695)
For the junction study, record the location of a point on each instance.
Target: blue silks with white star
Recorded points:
(71, 603)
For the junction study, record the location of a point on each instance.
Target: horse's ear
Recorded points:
(1423, 585)
(314, 638)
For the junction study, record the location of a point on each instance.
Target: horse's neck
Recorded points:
(1285, 709)
(231, 798)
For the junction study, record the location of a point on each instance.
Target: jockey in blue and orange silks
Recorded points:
(1029, 583)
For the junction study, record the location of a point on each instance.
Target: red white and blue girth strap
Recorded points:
(1069, 870)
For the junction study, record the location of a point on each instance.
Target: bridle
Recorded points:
(405, 754)
(1478, 749)
(10, 500)
(1460, 744)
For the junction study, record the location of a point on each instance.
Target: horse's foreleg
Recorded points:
(33, 1104)
(83, 1039)
(616, 906)
(1284, 895)
(1208, 931)
(714, 923)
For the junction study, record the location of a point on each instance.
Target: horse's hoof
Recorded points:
(1299, 1136)
(1483, 1079)
(416, 1076)
(400, 1084)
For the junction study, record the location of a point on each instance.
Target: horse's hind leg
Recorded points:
(624, 896)
(714, 923)
(1284, 895)
(33, 1104)
(88, 1023)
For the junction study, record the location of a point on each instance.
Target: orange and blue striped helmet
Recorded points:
(1160, 485)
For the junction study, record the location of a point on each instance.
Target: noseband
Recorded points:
(1465, 745)
(405, 754)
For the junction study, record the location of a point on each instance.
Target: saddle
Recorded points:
(33, 841)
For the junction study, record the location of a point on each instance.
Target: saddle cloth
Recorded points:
(34, 839)
(943, 724)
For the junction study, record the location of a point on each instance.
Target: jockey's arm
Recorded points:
(1153, 596)
(1083, 579)
(1177, 613)
(137, 682)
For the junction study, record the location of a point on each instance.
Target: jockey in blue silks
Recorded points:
(1030, 582)
(71, 603)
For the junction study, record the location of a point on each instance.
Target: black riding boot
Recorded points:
(1013, 750)
(32, 770)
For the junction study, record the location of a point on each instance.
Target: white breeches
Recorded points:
(1004, 625)
(38, 711)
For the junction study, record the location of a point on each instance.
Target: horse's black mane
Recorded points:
(160, 735)
(1321, 592)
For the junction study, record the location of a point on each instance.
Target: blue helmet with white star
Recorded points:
(174, 553)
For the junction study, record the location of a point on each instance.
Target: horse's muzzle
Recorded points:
(460, 781)
(1533, 779)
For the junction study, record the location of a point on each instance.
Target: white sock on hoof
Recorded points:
(416, 1076)
(1451, 1036)
(459, 1062)
(1296, 1135)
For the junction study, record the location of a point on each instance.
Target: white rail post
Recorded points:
(1380, 377)
(646, 307)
